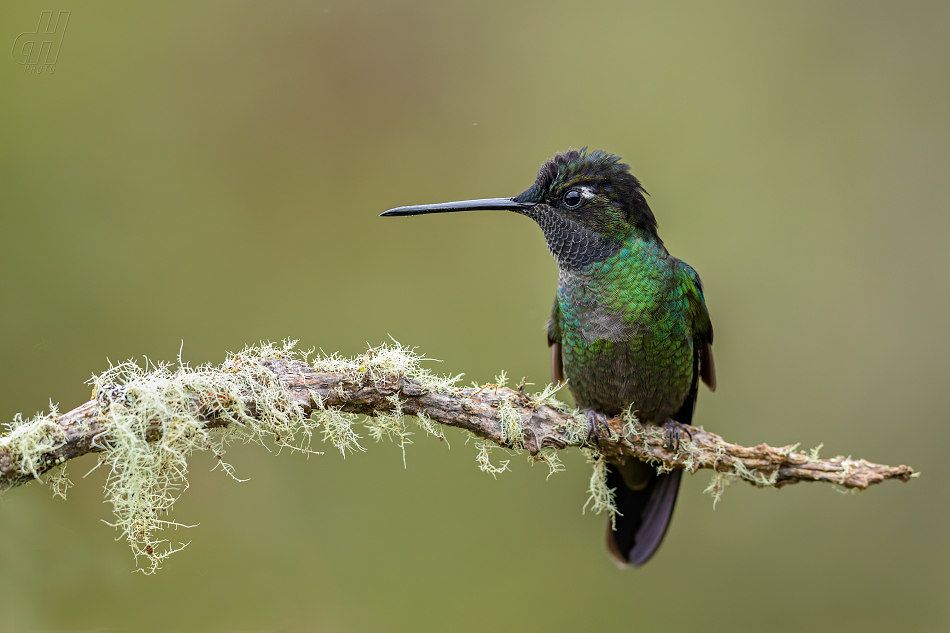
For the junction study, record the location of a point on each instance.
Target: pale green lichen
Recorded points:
(483, 457)
(386, 362)
(546, 397)
(753, 476)
(631, 424)
(786, 451)
(509, 420)
(337, 426)
(602, 497)
(169, 406)
(720, 480)
(58, 482)
(430, 427)
(392, 425)
(27, 440)
(694, 456)
(718, 484)
(550, 458)
(813, 453)
(501, 380)
(30, 438)
(146, 478)
(575, 429)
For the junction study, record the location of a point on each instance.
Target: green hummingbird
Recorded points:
(629, 326)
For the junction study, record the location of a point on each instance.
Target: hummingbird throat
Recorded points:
(573, 245)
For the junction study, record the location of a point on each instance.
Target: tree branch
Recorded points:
(145, 422)
(540, 423)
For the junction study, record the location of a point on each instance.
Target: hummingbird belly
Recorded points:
(650, 375)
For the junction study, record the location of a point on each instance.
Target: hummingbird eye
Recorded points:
(572, 199)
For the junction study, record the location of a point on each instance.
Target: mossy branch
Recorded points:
(144, 422)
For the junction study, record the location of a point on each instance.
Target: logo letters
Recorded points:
(41, 47)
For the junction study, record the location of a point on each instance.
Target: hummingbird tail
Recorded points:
(645, 503)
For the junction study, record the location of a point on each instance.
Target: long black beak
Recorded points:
(485, 204)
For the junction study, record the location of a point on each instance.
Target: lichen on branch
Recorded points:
(145, 421)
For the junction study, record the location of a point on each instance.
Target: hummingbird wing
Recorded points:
(703, 367)
(554, 342)
(702, 328)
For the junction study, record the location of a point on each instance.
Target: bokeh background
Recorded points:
(211, 173)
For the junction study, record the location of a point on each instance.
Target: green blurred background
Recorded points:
(212, 173)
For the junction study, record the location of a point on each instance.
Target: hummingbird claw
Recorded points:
(593, 418)
(675, 430)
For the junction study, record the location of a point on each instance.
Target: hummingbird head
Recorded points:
(593, 190)
(586, 204)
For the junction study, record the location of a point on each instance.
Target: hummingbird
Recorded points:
(629, 326)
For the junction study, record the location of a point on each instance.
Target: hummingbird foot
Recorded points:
(593, 417)
(675, 429)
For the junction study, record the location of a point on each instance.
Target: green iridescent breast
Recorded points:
(626, 329)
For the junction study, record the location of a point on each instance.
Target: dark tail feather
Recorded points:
(645, 511)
